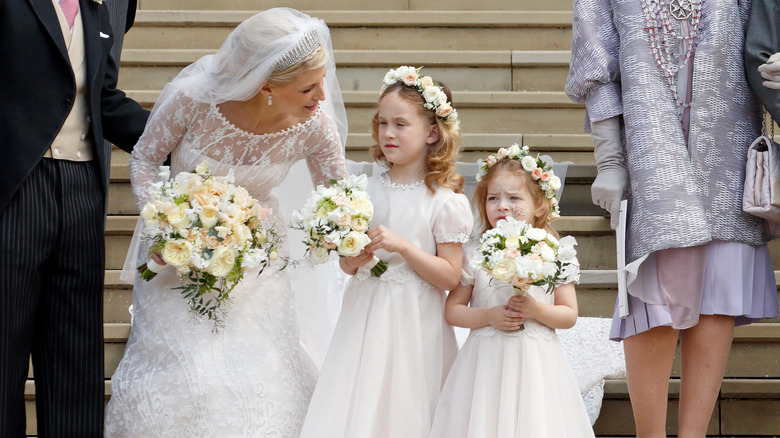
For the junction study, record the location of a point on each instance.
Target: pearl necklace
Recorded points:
(663, 42)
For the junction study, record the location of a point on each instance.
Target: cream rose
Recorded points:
(426, 81)
(444, 110)
(352, 244)
(149, 212)
(502, 153)
(359, 224)
(512, 242)
(241, 197)
(241, 233)
(222, 261)
(364, 206)
(177, 252)
(179, 218)
(491, 160)
(209, 217)
(504, 270)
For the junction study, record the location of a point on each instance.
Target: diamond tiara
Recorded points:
(302, 49)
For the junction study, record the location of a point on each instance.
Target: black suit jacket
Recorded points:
(761, 42)
(37, 89)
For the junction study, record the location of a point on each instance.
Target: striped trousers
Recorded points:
(51, 301)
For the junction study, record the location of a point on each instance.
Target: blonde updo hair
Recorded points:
(316, 59)
(543, 203)
(442, 154)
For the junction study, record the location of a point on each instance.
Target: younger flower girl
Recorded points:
(508, 382)
(391, 349)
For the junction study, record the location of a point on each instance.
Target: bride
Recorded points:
(267, 99)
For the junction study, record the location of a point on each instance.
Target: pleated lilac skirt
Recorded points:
(738, 281)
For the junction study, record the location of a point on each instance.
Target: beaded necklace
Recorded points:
(662, 43)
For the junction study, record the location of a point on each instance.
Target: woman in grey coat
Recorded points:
(671, 117)
(762, 54)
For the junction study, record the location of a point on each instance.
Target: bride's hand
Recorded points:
(157, 257)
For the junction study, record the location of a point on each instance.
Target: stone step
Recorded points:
(357, 5)
(370, 30)
(746, 407)
(496, 112)
(363, 70)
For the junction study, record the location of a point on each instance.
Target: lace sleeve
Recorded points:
(164, 131)
(594, 73)
(326, 159)
(453, 221)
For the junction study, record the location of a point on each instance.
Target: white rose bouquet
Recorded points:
(515, 252)
(336, 218)
(211, 231)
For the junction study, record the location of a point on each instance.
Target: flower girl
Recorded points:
(391, 349)
(507, 382)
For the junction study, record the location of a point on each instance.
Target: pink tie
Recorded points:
(70, 8)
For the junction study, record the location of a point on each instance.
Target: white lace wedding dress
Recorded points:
(178, 378)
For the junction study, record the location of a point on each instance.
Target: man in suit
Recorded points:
(762, 54)
(58, 101)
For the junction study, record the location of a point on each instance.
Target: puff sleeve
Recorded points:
(594, 72)
(453, 222)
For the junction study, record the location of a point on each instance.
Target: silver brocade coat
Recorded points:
(680, 196)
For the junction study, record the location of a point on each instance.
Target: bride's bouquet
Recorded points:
(336, 218)
(515, 252)
(211, 231)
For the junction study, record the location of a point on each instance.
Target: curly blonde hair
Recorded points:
(541, 202)
(442, 154)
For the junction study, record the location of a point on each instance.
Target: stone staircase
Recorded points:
(506, 61)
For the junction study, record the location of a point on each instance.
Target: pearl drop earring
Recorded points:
(270, 100)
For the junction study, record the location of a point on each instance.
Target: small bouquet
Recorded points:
(336, 218)
(515, 252)
(211, 231)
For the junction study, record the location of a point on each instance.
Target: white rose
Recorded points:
(547, 253)
(353, 243)
(431, 94)
(177, 252)
(318, 255)
(149, 211)
(441, 99)
(567, 253)
(514, 150)
(389, 78)
(555, 183)
(222, 261)
(537, 234)
(504, 270)
(529, 164)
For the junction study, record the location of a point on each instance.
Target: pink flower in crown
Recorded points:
(545, 176)
(444, 110)
(537, 173)
(502, 153)
(511, 253)
(426, 81)
(410, 78)
(491, 160)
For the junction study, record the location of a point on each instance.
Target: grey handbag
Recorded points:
(761, 196)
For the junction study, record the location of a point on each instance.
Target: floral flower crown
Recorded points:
(540, 171)
(435, 98)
